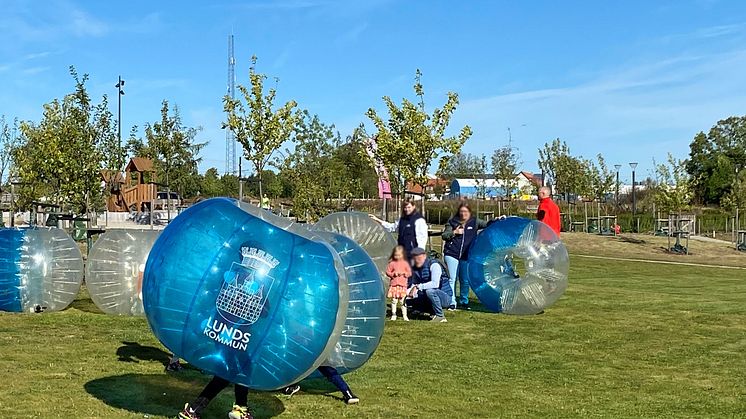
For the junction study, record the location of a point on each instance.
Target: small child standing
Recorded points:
(399, 272)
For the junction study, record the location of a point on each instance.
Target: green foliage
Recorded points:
(601, 178)
(8, 142)
(324, 173)
(575, 175)
(63, 154)
(736, 196)
(258, 127)
(229, 185)
(714, 160)
(274, 185)
(673, 186)
(568, 174)
(211, 185)
(505, 162)
(410, 139)
(173, 148)
(461, 165)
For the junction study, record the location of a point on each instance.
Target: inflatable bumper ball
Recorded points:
(114, 270)
(244, 294)
(518, 266)
(366, 311)
(370, 235)
(41, 269)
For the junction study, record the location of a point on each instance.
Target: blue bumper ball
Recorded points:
(41, 269)
(518, 266)
(245, 295)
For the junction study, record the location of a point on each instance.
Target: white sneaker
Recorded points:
(393, 318)
(406, 319)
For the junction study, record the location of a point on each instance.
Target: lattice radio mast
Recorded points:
(230, 140)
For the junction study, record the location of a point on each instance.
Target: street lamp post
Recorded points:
(616, 194)
(633, 165)
(120, 93)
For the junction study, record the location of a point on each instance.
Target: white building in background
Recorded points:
(627, 189)
(524, 186)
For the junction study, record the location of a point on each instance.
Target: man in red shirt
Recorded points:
(548, 211)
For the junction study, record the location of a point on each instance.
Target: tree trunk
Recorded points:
(168, 199)
(261, 190)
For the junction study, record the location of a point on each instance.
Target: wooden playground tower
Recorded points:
(135, 190)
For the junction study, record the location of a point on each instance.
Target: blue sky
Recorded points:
(632, 80)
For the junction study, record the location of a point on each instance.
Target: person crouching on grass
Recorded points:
(398, 272)
(430, 289)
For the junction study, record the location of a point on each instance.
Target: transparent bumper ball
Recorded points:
(366, 311)
(364, 231)
(243, 294)
(41, 269)
(518, 266)
(115, 268)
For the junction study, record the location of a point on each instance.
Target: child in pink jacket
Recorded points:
(399, 272)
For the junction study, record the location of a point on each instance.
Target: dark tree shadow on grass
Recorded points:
(165, 395)
(134, 352)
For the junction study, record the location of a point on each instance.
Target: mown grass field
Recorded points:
(626, 340)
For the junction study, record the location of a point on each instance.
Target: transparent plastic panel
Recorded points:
(366, 310)
(518, 266)
(11, 241)
(52, 268)
(41, 269)
(370, 235)
(115, 268)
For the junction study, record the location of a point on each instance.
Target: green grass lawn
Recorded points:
(626, 340)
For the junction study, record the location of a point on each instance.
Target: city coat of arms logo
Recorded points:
(246, 287)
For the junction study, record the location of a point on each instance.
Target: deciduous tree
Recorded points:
(714, 159)
(257, 125)
(461, 165)
(8, 142)
(410, 139)
(673, 185)
(505, 162)
(174, 149)
(62, 155)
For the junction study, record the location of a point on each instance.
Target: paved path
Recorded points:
(710, 240)
(664, 262)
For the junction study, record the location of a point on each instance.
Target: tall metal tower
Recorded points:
(230, 140)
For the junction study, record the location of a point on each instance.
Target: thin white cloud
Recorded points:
(34, 70)
(277, 5)
(705, 33)
(83, 24)
(641, 112)
(352, 35)
(36, 55)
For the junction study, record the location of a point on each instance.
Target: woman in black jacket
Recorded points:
(458, 235)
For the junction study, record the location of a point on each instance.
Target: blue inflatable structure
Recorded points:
(41, 269)
(244, 294)
(518, 266)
